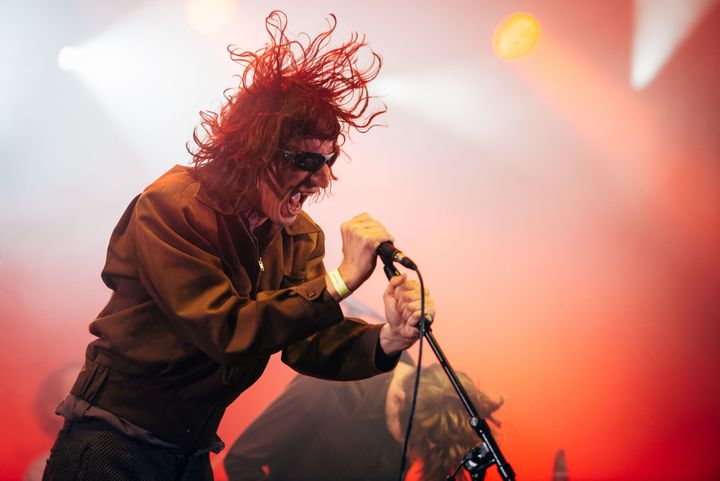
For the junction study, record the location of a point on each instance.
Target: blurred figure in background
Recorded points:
(52, 390)
(324, 430)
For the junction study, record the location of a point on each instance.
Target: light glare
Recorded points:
(68, 58)
(209, 16)
(516, 36)
(660, 26)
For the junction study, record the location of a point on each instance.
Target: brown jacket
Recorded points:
(198, 307)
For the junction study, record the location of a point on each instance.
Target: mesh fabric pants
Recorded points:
(94, 451)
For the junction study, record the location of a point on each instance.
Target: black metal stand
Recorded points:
(476, 461)
(488, 453)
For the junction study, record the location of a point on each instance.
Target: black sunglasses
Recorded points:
(309, 161)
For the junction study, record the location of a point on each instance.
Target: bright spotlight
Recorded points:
(660, 26)
(209, 16)
(152, 75)
(68, 58)
(516, 36)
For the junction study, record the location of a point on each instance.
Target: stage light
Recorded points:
(516, 36)
(68, 58)
(151, 74)
(660, 26)
(209, 16)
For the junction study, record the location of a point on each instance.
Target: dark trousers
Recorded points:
(94, 451)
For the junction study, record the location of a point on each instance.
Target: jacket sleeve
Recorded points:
(277, 435)
(181, 270)
(347, 351)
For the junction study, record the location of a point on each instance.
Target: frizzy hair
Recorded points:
(441, 435)
(288, 90)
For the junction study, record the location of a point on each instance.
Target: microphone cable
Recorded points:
(411, 413)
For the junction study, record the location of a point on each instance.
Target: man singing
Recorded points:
(215, 267)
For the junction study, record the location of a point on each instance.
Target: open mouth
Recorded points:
(295, 202)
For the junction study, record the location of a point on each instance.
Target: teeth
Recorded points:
(295, 203)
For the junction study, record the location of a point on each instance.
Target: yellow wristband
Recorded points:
(339, 284)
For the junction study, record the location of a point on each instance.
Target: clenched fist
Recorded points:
(361, 237)
(402, 312)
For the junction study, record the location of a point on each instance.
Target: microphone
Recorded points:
(389, 254)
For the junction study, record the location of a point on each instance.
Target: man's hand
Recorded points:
(361, 237)
(402, 312)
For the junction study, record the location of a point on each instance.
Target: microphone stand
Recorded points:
(488, 453)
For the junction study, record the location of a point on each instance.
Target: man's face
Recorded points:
(284, 188)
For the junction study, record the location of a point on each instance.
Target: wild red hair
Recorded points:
(290, 89)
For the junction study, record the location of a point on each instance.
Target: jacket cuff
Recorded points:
(383, 362)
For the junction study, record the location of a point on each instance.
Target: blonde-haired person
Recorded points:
(323, 430)
(441, 435)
